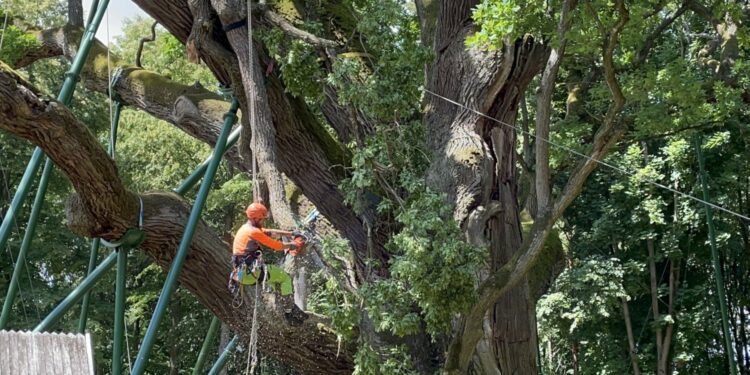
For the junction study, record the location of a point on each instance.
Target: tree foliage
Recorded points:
(683, 73)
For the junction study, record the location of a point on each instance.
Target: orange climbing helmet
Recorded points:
(256, 211)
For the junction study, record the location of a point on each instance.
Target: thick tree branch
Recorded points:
(279, 21)
(544, 105)
(317, 174)
(199, 112)
(260, 136)
(648, 44)
(142, 42)
(107, 205)
(103, 207)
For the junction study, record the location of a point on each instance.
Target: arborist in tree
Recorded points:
(247, 251)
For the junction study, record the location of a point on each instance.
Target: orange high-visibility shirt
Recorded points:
(249, 237)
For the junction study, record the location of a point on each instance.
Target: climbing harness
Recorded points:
(241, 276)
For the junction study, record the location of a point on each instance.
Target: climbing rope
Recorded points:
(253, 349)
(249, 355)
(254, 329)
(253, 140)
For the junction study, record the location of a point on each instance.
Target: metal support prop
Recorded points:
(212, 330)
(96, 242)
(222, 360)
(122, 262)
(85, 304)
(65, 96)
(729, 349)
(92, 11)
(191, 180)
(116, 110)
(117, 346)
(187, 238)
(25, 245)
(23, 188)
(77, 293)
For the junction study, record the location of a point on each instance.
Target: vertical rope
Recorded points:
(251, 104)
(254, 330)
(109, 72)
(253, 347)
(249, 354)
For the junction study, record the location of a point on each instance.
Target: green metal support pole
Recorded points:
(77, 293)
(65, 95)
(187, 238)
(23, 189)
(212, 330)
(222, 360)
(116, 110)
(194, 177)
(96, 242)
(715, 260)
(72, 76)
(25, 245)
(122, 262)
(92, 11)
(85, 304)
(117, 346)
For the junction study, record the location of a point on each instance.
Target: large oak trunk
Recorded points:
(479, 156)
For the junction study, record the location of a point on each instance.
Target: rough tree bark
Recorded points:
(544, 105)
(199, 113)
(316, 174)
(261, 133)
(103, 208)
(479, 157)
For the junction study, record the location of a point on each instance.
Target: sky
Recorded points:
(118, 11)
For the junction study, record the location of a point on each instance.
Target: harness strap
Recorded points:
(235, 25)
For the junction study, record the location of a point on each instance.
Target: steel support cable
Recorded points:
(600, 162)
